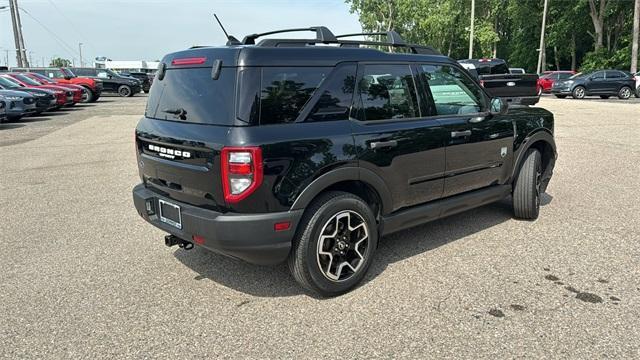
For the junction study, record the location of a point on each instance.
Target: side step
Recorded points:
(421, 214)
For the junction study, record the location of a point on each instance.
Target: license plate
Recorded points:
(170, 214)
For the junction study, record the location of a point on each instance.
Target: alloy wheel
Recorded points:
(343, 244)
(625, 93)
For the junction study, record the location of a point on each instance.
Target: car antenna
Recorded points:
(231, 40)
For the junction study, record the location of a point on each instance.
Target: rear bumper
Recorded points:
(249, 237)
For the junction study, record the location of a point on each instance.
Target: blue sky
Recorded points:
(148, 29)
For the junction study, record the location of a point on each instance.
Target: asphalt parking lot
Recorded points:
(83, 276)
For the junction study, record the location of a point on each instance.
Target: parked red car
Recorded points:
(546, 80)
(46, 81)
(64, 76)
(74, 96)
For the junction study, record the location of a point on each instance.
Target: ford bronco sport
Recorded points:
(289, 150)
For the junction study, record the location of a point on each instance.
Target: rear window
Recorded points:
(493, 67)
(192, 95)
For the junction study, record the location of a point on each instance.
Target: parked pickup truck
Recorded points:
(495, 77)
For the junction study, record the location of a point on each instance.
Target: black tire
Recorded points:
(125, 91)
(579, 92)
(87, 95)
(561, 96)
(526, 190)
(12, 118)
(625, 93)
(604, 96)
(638, 92)
(306, 256)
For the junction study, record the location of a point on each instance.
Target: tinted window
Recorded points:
(614, 75)
(191, 95)
(452, 91)
(285, 91)
(388, 92)
(335, 101)
(564, 76)
(492, 67)
(598, 75)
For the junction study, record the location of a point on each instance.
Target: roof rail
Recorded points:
(322, 34)
(325, 36)
(392, 37)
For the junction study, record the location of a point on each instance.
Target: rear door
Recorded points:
(394, 134)
(479, 147)
(614, 80)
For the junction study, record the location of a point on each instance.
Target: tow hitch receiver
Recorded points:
(172, 240)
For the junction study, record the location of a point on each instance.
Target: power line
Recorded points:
(79, 33)
(58, 39)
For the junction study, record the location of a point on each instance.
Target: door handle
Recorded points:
(457, 134)
(383, 144)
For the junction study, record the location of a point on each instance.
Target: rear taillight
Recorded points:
(241, 172)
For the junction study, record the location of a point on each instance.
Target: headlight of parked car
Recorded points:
(10, 97)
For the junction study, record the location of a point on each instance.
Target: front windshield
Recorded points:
(43, 78)
(581, 74)
(68, 72)
(27, 80)
(8, 82)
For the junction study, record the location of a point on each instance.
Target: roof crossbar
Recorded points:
(323, 34)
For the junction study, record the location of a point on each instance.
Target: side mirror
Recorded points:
(498, 106)
(67, 77)
(109, 77)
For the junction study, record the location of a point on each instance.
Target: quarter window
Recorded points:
(285, 91)
(453, 93)
(388, 92)
(335, 101)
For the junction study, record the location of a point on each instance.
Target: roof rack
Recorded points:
(322, 34)
(325, 36)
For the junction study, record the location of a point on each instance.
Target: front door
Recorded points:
(479, 146)
(394, 136)
(597, 83)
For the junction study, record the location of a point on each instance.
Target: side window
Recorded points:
(103, 74)
(335, 101)
(453, 93)
(285, 91)
(58, 74)
(388, 92)
(614, 75)
(598, 76)
(565, 76)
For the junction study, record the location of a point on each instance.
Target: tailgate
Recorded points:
(181, 160)
(510, 85)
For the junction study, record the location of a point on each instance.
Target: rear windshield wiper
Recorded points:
(179, 113)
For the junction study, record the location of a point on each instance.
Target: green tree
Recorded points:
(60, 62)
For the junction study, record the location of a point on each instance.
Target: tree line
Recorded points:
(580, 34)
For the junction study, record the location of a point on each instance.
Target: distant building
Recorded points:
(127, 65)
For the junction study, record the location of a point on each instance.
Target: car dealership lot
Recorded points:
(83, 275)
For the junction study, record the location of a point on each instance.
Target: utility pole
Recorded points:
(80, 49)
(473, 15)
(541, 54)
(636, 33)
(21, 53)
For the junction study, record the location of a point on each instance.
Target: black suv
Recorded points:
(144, 78)
(112, 81)
(284, 150)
